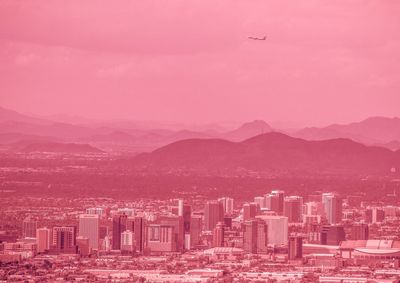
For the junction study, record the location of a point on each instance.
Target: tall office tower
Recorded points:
(160, 238)
(228, 222)
(292, 209)
(295, 247)
(127, 241)
(227, 204)
(83, 245)
(374, 215)
(260, 201)
(255, 236)
(139, 231)
(250, 211)
(64, 239)
(177, 223)
(29, 226)
(359, 231)
(185, 211)
(277, 229)
(43, 239)
(218, 235)
(281, 196)
(332, 235)
(119, 226)
(89, 228)
(332, 207)
(272, 202)
(313, 208)
(195, 230)
(213, 213)
(95, 210)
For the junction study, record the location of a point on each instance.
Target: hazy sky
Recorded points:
(183, 60)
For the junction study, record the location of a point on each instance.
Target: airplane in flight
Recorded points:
(257, 38)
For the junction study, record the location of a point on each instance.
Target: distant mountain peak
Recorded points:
(248, 130)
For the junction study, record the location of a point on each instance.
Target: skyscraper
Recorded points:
(281, 195)
(332, 207)
(195, 230)
(178, 233)
(160, 238)
(213, 213)
(332, 235)
(127, 241)
(64, 239)
(219, 235)
(227, 204)
(260, 201)
(29, 226)
(295, 247)
(139, 231)
(89, 227)
(250, 211)
(277, 229)
(119, 226)
(43, 239)
(272, 202)
(292, 209)
(255, 236)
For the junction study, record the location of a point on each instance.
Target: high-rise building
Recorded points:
(332, 207)
(195, 230)
(127, 241)
(255, 236)
(213, 213)
(250, 211)
(29, 226)
(179, 235)
(43, 238)
(277, 229)
(185, 211)
(272, 202)
(83, 245)
(295, 247)
(139, 233)
(219, 235)
(332, 235)
(292, 208)
(119, 226)
(89, 228)
(359, 231)
(227, 204)
(64, 239)
(281, 195)
(160, 238)
(260, 201)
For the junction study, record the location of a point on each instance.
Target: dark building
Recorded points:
(119, 226)
(295, 248)
(64, 239)
(359, 231)
(139, 230)
(255, 236)
(219, 235)
(213, 213)
(332, 235)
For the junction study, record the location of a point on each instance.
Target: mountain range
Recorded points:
(135, 137)
(271, 153)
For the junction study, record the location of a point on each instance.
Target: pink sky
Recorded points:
(323, 61)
